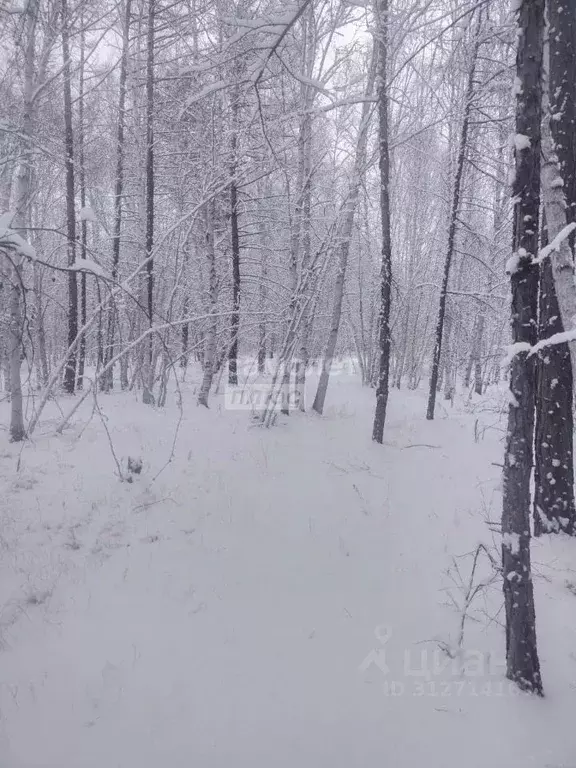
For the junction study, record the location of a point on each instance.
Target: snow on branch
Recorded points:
(87, 214)
(515, 349)
(564, 337)
(556, 243)
(12, 240)
(87, 265)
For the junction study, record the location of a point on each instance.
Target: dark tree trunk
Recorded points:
(523, 666)
(70, 371)
(456, 192)
(235, 242)
(554, 507)
(553, 445)
(263, 287)
(478, 341)
(148, 376)
(381, 9)
(83, 230)
(185, 335)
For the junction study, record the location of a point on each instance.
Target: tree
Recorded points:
(70, 370)
(108, 381)
(148, 369)
(523, 666)
(554, 506)
(20, 221)
(344, 239)
(381, 41)
(453, 224)
(82, 190)
(235, 243)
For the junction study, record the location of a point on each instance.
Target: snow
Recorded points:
(87, 214)
(513, 262)
(512, 542)
(557, 338)
(206, 91)
(556, 242)
(5, 222)
(521, 142)
(87, 265)
(224, 612)
(515, 349)
(11, 239)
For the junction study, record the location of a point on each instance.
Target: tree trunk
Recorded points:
(185, 335)
(22, 196)
(523, 666)
(148, 368)
(554, 506)
(107, 382)
(478, 342)
(263, 287)
(70, 370)
(381, 11)
(554, 509)
(210, 362)
(235, 242)
(40, 328)
(346, 231)
(83, 230)
(448, 355)
(456, 192)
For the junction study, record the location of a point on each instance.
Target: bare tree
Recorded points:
(453, 224)
(70, 370)
(148, 370)
(381, 42)
(523, 666)
(554, 506)
(345, 237)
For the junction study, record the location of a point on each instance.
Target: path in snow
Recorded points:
(220, 615)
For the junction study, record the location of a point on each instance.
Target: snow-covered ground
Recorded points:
(277, 598)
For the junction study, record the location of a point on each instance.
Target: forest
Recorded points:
(287, 363)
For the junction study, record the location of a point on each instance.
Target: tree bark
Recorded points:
(210, 340)
(148, 369)
(235, 242)
(263, 286)
(452, 228)
(83, 226)
(381, 41)
(22, 197)
(554, 505)
(346, 231)
(107, 382)
(70, 370)
(523, 666)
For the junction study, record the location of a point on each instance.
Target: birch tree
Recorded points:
(554, 506)
(20, 222)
